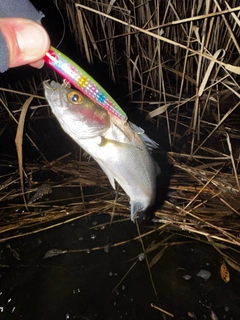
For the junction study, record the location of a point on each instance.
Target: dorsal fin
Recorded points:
(150, 144)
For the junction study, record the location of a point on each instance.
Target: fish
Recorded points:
(121, 148)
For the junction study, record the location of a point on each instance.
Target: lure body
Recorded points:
(82, 81)
(120, 147)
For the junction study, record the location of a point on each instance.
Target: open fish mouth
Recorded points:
(52, 90)
(51, 86)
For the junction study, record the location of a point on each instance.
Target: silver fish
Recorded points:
(121, 148)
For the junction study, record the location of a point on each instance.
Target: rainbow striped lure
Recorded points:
(82, 81)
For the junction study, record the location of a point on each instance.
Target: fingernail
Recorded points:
(32, 40)
(38, 64)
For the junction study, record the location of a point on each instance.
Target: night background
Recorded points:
(75, 253)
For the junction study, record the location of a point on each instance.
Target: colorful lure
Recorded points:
(82, 81)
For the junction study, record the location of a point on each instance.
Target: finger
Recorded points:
(27, 41)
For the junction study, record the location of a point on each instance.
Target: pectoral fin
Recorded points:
(104, 141)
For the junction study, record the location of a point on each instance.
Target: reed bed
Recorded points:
(179, 61)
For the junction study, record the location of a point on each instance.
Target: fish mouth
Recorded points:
(51, 85)
(52, 91)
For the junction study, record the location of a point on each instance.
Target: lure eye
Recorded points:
(75, 97)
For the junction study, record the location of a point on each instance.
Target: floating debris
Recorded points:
(106, 248)
(213, 315)
(225, 275)
(141, 256)
(187, 277)
(205, 274)
(53, 252)
(76, 291)
(192, 315)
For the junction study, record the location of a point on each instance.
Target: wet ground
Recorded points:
(112, 282)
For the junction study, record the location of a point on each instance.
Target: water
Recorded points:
(95, 284)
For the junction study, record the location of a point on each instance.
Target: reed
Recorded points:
(179, 61)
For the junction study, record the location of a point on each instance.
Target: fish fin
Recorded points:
(150, 144)
(108, 174)
(105, 141)
(135, 208)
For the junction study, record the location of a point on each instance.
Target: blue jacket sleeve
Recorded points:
(13, 8)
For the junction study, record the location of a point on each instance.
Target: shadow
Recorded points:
(162, 187)
(158, 134)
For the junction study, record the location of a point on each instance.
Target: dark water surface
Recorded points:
(84, 285)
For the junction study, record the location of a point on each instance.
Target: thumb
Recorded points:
(27, 41)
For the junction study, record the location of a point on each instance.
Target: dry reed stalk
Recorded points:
(184, 54)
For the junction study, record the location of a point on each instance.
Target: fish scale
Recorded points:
(121, 148)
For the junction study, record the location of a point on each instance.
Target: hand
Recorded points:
(27, 41)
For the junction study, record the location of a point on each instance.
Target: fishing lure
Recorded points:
(82, 81)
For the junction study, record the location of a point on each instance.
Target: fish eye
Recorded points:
(75, 97)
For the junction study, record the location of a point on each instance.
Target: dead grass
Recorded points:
(185, 55)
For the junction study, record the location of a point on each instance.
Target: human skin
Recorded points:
(27, 41)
